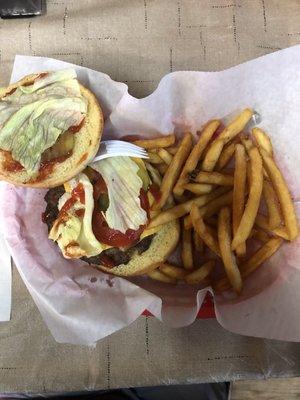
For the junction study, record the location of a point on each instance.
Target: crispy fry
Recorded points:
(162, 168)
(225, 156)
(214, 178)
(198, 243)
(274, 217)
(263, 141)
(154, 158)
(262, 222)
(199, 188)
(162, 141)
(247, 143)
(228, 257)
(202, 230)
(195, 154)
(211, 208)
(172, 271)
(255, 261)
(173, 170)
(172, 150)
(232, 130)
(283, 194)
(239, 193)
(249, 215)
(186, 249)
(159, 276)
(201, 273)
(181, 209)
(165, 156)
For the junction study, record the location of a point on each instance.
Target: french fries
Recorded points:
(202, 231)
(201, 273)
(195, 154)
(249, 215)
(225, 156)
(186, 249)
(274, 217)
(214, 178)
(198, 243)
(232, 130)
(254, 262)
(182, 209)
(173, 170)
(228, 257)
(211, 208)
(165, 156)
(217, 207)
(283, 194)
(239, 193)
(154, 158)
(172, 271)
(162, 141)
(199, 188)
(160, 276)
(263, 141)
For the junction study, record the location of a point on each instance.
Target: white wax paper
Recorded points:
(82, 305)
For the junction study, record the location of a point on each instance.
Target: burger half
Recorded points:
(101, 216)
(50, 129)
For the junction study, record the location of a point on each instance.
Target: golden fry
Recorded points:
(162, 168)
(225, 156)
(199, 188)
(247, 143)
(214, 178)
(232, 130)
(162, 141)
(186, 249)
(211, 208)
(255, 261)
(173, 170)
(194, 157)
(172, 271)
(201, 273)
(154, 158)
(181, 209)
(263, 141)
(198, 243)
(165, 156)
(274, 217)
(283, 194)
(159, 276)
(202, 230)
(249, 215)
(228, 257)
(239, 193)
(172, 150)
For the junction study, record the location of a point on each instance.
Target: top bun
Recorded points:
(86, 144)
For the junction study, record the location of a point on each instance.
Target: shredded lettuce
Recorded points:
(74, 235)
(124, 186)
(33, 117)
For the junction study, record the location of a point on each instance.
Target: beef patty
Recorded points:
(117, 256)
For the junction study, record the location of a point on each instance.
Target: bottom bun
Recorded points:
(163, 244)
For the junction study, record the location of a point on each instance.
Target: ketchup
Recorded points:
(76, 195)
(107, 235)
(76, 128)
(155, 191)
(10, 164)
(48, 166)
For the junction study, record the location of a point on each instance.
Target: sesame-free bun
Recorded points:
(86, 144)
(163, 244)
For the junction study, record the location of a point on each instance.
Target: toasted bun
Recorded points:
(162, 245)
(85, 147)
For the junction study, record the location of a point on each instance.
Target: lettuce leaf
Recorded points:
(124, 186)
